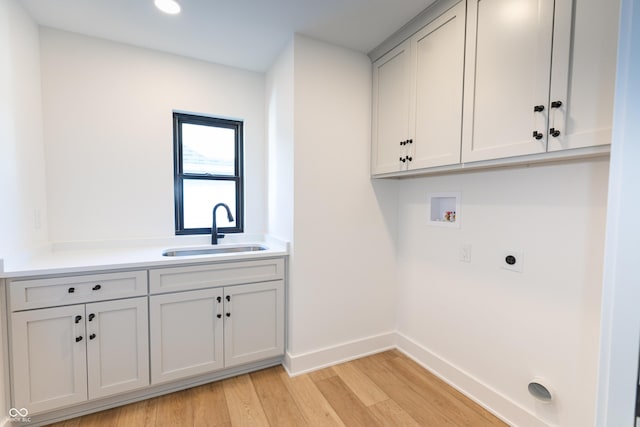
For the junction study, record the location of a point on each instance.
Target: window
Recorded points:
(207, 171)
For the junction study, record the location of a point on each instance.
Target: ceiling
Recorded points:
(246, 34)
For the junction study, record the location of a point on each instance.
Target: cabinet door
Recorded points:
(583, 74)
(254, 322)
(186, 334)
(117, 346)
(391, 78)
(48, 355)
(436, 102)
(508, 63)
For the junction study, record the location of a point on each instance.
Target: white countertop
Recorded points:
(80, 257)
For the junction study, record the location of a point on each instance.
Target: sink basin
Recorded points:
(213, 250)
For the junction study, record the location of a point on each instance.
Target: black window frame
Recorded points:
(180, 176)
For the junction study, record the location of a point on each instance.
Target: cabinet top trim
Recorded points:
(432, 12)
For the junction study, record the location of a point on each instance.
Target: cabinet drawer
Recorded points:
(212, 275)
(37, 293)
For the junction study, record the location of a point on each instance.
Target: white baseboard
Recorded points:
(297, 364)
(481, 393)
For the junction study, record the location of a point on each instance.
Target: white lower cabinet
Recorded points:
(186, 334)
(80, 342)
(117, 346)
(67, 355)
(201, 331)
(49, 358)
(253, 322)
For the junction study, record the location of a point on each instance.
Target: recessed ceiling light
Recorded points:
(168, 6)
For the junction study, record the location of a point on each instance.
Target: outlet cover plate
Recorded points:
(465, 253)
(512, 260)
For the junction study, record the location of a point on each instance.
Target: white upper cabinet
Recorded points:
(495, 82)
(436, 95)
(508, 61)
(390, 109)
(417, 98)
(583, 73)
(539, 76)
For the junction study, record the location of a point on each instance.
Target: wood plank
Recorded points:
(361, 385)
(209, 406)
(243, 402)
(346, 404)
(443, 402)
(448, 398)
(138, 414)
(173, 410)
(388, 413)
(277, 403)
(388, 354)
(439, 383)
(102, 418)
(322, 374)
(314, 407)
(413, 403)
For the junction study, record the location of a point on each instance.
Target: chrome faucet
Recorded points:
(214, 227)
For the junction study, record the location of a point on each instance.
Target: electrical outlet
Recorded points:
(512, 260)
(465, 253)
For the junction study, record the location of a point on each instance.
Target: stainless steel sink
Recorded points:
(213, 250)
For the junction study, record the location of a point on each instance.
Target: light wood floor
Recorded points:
(386, 389)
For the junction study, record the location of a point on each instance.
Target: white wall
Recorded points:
(343, 263)
(108, 134)
(22, 167)
(280, 147)
(621, 294)
(488, 330)
(22, 170)
(279, 105)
